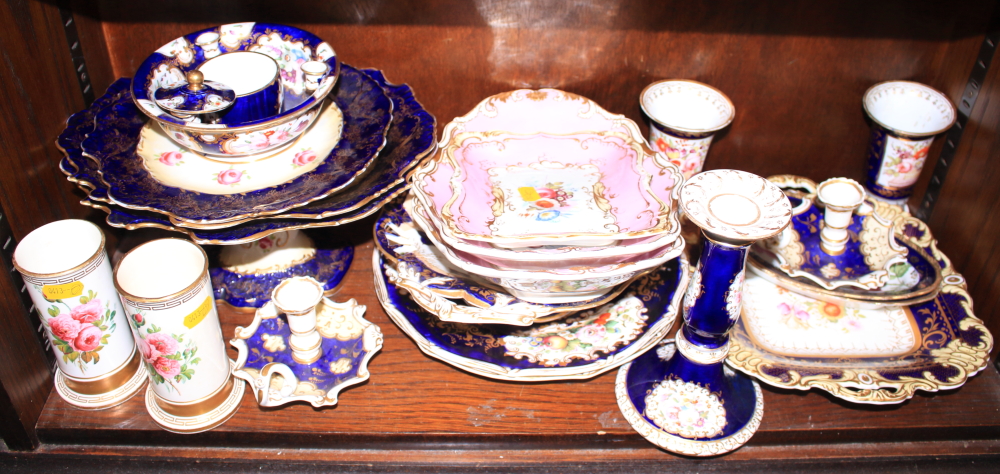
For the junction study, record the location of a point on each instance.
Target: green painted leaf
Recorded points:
(53, 311)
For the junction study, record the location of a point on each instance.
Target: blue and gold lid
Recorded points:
(196, 96)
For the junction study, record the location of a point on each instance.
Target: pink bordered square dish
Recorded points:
(585, 189)
(531, 168)
(629, 250)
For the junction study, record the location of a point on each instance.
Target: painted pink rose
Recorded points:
(265, 243)
(280, 136)
(88, 313)
(258, 141)
(163, 343)
(904, 166)
(149, 354)
(168, 368)
(801, 314)
(304, 157)
(137, 317)
(546, 192)
(784, 309)
(591, 334)
(65, 327)
(171, 158)
(229, 176)
(88, 339)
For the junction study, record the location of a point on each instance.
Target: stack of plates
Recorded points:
(353, 159)
(880, 346)
(541, 242)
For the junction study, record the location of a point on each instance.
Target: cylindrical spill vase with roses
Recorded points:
(67, 273)
(168, 296)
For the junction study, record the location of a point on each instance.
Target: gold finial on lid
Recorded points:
(195, 80)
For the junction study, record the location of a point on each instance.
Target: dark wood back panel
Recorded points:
(966, 220)
(796, 70)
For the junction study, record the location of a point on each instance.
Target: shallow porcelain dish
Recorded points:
(558, 120)
(797, 263)
(547, 285)
(865, 261)
(421, 269)
(410, 138)
(581, 347)
(625, 251)
(541, 189)
(367, 115)
(877, 356)
(289, 47)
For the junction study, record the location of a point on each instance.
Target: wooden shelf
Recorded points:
(796, 70)
(417, 408)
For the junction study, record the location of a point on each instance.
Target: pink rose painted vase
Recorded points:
(166, 290)
(67, 273)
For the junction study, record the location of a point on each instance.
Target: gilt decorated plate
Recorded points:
(581, 346)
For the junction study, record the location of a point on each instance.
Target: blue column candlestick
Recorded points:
(681, 397)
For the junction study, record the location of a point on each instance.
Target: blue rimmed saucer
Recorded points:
(348, 344)
(367, 114)
(580, 347)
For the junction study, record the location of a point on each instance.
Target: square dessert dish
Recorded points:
(529, 169)
(586, 189)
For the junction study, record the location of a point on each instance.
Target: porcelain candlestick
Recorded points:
(297, 298)
(841, 197)
(685, 400)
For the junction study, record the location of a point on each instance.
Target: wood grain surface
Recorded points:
(415, 402)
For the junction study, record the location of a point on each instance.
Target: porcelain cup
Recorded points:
(313, 72)
(905, 118)
(67, 273)
(167, 293)
(255, 78)
(684, 117)
(209, 43)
